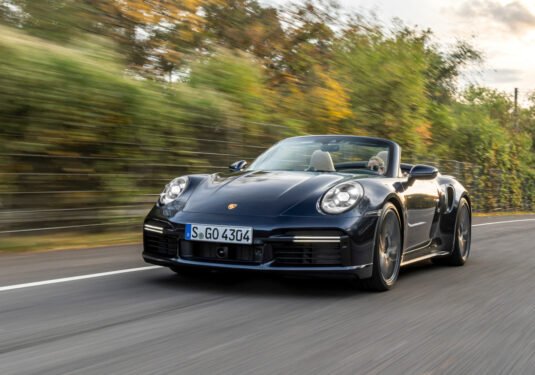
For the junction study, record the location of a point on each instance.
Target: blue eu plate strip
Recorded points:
(188, 231)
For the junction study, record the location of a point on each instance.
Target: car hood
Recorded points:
(260, 193)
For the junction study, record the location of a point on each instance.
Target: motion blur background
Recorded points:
(103, 102)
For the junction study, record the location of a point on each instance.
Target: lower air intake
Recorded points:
(307, 254)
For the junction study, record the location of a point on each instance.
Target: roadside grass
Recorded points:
(502, 213)
(70, 241)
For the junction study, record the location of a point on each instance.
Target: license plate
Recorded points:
(219, 233)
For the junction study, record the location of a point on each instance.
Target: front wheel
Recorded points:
(387, 252)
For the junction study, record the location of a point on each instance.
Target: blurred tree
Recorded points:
(485, 136)
(445, 67)
(161, 34)
(238, 81)
(328, 103)
(58, 20)
(385, 77)
(527, 122)
(156, 37)
(309, 42)
(247, 26)
(236, 75)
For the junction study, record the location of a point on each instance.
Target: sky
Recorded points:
(503, 30)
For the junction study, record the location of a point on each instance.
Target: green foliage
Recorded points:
(237, 78)
(92, 128)
(485, 137)
(120, 96)
(385, 77)
(445, 68)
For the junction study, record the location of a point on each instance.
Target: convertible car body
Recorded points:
(313, 205)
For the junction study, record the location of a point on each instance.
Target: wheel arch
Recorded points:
(469, 200)
(402, 217)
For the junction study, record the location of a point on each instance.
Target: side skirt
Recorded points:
(424, 257)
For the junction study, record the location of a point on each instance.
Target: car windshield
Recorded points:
(326, 154)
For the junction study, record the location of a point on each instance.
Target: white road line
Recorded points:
(74, 278)
(502, 222)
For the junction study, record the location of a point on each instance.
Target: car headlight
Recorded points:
(173, 190)
(341, 197)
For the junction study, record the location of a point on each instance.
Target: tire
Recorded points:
(462, 238)
(387, 251)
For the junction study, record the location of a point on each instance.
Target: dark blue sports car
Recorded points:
(313, 205)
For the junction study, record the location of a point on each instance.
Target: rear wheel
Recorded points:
(462, 239)
(387, 252)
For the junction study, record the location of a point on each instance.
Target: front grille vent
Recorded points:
(158, 241)
(307, 254)
(221, 253)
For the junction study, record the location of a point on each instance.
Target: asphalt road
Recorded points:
(477, 319)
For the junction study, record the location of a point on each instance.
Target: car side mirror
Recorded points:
(237, 166)
(423, 172)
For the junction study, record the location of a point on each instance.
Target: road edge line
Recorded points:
(502, 222)
(75, 278)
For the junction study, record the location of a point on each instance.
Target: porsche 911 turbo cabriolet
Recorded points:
(313, 205)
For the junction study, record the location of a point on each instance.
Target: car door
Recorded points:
(422, 200)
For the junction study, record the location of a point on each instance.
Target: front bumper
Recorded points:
(361, 271)
(321, 247)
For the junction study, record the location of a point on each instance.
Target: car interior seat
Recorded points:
(321, 161)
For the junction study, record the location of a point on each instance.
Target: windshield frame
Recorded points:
(394, 149)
